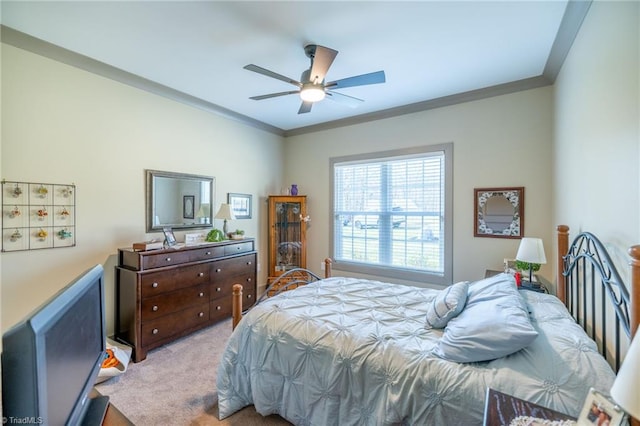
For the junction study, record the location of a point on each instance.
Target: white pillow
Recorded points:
(446, 305)
(494, 323)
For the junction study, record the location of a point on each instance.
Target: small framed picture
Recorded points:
(600, 410)
(169, 237)
(240, 205)
(188, 206)
(509, 265)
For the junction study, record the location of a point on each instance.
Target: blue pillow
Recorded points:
(446, 305)
(494, 323)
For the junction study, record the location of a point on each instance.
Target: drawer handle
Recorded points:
(155, 308)
(168, 259)
(249, 296)
(248, 263)
(218, 289)
(218, 308)
(248, 280)
(218, 270)
(208, 253)
(201, 294)
(201, 314)
(201, 274)
(154, 285)
(155, 331)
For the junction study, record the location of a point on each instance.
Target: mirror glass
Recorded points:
(178, 200)
(499, 212)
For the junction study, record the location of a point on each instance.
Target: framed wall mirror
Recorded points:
(178, 200)
(499, 212)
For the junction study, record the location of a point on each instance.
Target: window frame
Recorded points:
(447, 239)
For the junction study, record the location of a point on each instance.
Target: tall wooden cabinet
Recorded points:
(162, 295)
(287, 233)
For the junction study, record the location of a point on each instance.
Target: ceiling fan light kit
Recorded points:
(313, 88)
(312, 92)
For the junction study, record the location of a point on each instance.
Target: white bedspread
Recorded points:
(346, 351)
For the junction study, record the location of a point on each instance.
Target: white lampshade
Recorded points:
(225, 212)
(531, 250)
(204, 212)
(625, 388)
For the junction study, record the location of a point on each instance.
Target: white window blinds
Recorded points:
(390, 211)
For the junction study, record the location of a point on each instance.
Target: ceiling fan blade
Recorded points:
(344, 99)
(273, 95)
(305, 107)
(322, 59)
(272, 74)
(358, 80)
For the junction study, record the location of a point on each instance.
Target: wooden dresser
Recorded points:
(162, 295)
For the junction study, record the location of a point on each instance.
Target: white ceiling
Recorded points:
(428, 49)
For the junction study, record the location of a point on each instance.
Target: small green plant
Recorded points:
(524, 266)
(214, 236)
(239, 232)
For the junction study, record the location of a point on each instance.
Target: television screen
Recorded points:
(51, 359)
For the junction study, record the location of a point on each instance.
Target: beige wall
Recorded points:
(60, 125)
(597, 129)
(64, 125)
(501, 141)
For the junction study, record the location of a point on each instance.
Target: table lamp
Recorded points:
(531, 251)
(204, 213)
(625, 388)
(226, 214)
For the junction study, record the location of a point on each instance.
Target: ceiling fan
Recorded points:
(312, 86)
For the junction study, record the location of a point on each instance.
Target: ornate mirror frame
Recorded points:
(499, 212)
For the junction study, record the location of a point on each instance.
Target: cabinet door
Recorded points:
(287, 235)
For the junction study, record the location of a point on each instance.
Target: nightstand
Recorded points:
(543, 288)
(500, 409)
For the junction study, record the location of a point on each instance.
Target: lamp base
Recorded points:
(225, 228)
(530, 285)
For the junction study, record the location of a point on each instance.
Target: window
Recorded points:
(392, 213)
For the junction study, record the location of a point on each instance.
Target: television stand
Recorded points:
(96, 410)
(112, 416)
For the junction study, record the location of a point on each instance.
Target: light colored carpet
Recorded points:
(176, 385)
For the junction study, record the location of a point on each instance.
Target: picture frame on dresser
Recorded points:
(169, 237)
(600, 410)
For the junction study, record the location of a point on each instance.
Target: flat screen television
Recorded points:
(50, 359)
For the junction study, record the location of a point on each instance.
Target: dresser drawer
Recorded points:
(248, 296)
(166, 303)
(160, 282)
(220, 290)
(220, 309)
(206, 253)
(166, 258)
(238, 248)
(168, 325)
(227, 268)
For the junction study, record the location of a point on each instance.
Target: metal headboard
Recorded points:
(288, 280)
(591, 279)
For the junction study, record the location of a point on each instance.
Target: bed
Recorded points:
(342, 351)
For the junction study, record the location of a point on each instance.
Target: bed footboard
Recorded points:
(593, 291)
(289, 279)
